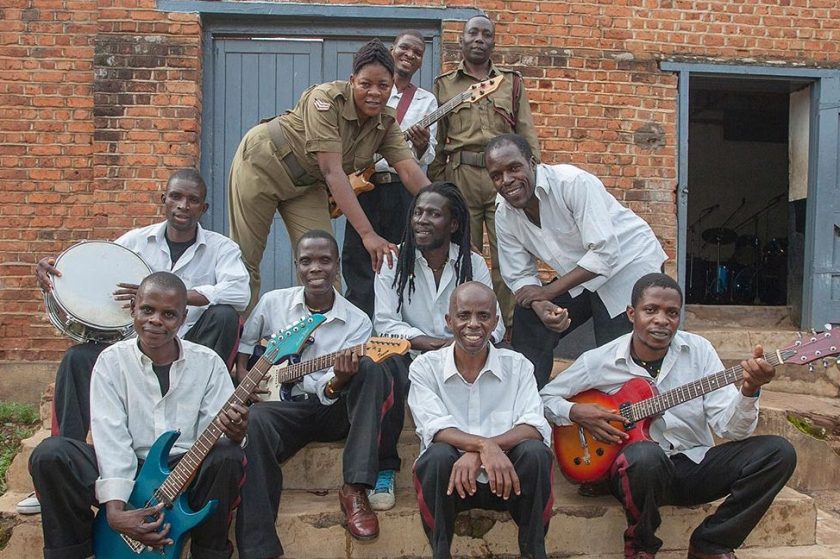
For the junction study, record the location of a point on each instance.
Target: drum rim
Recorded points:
(123, 330)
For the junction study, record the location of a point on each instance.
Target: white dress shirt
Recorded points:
(582, 225)
(422, 103)
(212, 266)
(130, 414)
(503, 396)
(424, 314)
(685, 428)
(345, 326)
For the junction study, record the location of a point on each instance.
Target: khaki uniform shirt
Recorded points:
(325, 120)
(470, 126)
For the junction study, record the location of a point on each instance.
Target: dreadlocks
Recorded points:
(463, 264)
(373, 52)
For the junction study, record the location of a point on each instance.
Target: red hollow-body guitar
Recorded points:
(582, 459)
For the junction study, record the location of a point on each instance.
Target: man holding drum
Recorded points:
(209, 264)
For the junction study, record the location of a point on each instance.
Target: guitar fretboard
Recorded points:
(681, 394)
(300, 370)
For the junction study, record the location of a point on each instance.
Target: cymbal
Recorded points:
(719, 235)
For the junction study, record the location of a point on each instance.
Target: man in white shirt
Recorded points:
(346, 400)
(208, 263)
(565, 217)
(144, 387)
(412, 300)
(386, 205)
(680, 465)
(484, 442)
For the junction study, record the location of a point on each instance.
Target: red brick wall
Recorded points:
(100, 100)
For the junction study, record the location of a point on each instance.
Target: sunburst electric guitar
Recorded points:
(360, 179)
(378, 349)
(156, 483)
(582, 459)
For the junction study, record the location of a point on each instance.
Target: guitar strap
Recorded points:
(405, 101)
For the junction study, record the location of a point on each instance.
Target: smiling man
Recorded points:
(463, 134)
(344, 401)
(484, 442)
(386, 205)
(565, 217)
(142, 388)
(412, 300)
(681, 464)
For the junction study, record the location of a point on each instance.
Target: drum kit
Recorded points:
(81, 304)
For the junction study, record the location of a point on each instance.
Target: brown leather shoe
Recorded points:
(362, 522)
(694, 553)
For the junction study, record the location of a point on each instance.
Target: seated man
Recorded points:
(681, 465)
(483, 438)
(345, 401)
(412, 299)
(209, 264)
(565, 217)
(143, 387)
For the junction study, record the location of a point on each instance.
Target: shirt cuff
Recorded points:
(557, 411)
(539, 423)
(209, 292)
(321, 385)
(113, 489)
(427, 432)
(325, 146)
(519, 284)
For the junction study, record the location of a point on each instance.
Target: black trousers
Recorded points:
(536, 342)
(277, 430)
(386, 207)
(394, 419)
(749, 473)
(531, 510)
(65, 471)
(216, 328)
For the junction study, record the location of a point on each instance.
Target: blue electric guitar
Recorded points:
(156, 483)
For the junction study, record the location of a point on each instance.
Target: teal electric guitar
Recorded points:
(156, 483)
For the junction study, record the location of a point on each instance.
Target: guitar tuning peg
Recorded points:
(811, 368)
(825, 363)
(827, 327)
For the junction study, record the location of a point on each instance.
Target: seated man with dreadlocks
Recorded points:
(413, 298)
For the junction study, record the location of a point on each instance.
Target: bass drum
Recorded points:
(81, 304)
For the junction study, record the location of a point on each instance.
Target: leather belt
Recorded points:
(296, 171)
(471, 158)
(384, 177)
(305, 397)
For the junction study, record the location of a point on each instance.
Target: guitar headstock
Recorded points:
(812, 347)
(290, 340)
(379, 349)
(485, 88)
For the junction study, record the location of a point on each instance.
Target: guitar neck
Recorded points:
(297, 371)
(185, 470)
(444, 109)
(681, 394)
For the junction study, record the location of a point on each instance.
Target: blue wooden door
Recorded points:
(255, 78)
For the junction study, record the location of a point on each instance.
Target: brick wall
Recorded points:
(100, 100)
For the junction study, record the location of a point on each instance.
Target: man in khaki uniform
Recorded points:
(463, 134)
(284, 164)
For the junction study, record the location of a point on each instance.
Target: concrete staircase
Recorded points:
(310, 522)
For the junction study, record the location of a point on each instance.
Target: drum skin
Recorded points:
(81, 304)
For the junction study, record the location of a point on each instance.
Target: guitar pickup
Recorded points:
(134, 545)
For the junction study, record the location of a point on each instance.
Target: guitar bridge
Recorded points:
(134, 545)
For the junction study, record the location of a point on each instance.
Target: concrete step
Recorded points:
(799, 379)
(748, 316)
(311, 526)
(17, 476)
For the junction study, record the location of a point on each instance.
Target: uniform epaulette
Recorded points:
(443, 75)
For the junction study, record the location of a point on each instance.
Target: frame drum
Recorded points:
(81, 303)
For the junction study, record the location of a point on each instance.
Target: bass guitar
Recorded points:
(157, 483)
(582, 459)
(360, 179)
(378, 349)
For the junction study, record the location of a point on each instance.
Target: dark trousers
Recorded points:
(216, 328)
(531, 510)
(749, 473)
(394, 418)
(536, 342)
(386, 207)
(277, 430)
(64, 471)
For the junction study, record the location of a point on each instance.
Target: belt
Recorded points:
(296, 171)
(306, 396)
(384, 177)
(471, 158)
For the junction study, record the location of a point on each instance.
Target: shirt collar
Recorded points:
(492, 366)
(622, 348)
(462, 68)
(159, 234)
(144, 359)
(337, 312)
(453, 254)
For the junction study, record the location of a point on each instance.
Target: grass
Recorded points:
(17, 422)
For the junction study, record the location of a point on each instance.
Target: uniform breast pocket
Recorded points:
(500, 422)
(503, 118)
(363, 158)
(463, 119)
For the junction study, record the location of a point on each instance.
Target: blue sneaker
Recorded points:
(381, 497)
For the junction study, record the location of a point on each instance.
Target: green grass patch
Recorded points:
(17, 422)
